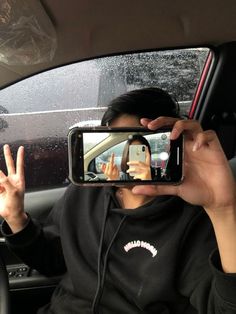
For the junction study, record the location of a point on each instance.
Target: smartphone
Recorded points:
(137, 153)
(99, 156)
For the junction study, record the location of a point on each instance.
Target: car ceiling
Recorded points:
(87, 29)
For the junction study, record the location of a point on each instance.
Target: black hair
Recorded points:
(148, 103)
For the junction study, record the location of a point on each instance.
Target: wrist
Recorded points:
(223, 213)
(17, 222)
(224, 225)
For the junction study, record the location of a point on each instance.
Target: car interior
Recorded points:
(113, 38)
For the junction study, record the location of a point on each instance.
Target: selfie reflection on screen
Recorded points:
(143, 158)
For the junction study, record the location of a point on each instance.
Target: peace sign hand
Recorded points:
(12, 189)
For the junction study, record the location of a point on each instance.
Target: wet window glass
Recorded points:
(38, 111)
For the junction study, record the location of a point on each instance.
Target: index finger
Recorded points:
(161, 122)
(190, 127)
(133, 163)
(9, 160)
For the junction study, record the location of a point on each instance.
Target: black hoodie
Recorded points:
(159, 258)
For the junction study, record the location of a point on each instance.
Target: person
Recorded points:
(131, 169)
(142, 249)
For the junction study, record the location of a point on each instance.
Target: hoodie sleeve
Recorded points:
(201, 279)
(39, 246)
(224, 285)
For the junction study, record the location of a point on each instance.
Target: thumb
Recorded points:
(156, 190)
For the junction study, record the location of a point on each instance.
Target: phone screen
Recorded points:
(100, 156)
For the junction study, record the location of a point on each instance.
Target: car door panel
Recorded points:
(25, 283)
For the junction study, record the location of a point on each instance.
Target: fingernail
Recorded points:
(134, 190)
(173, 134)
(137, 190)
(196, 147)
(151, 125)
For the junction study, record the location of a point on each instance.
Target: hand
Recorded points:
(141, 170)
(208, 179)
(12, 188)
(111, 170)
(208, 182)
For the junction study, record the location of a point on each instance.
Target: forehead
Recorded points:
(126, 120)
(135, 142)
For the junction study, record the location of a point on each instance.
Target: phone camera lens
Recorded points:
(143, 148)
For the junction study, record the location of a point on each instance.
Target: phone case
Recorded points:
(81, 172)
(137, 153)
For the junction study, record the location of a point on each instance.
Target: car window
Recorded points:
(90, 139)
(37, 112)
